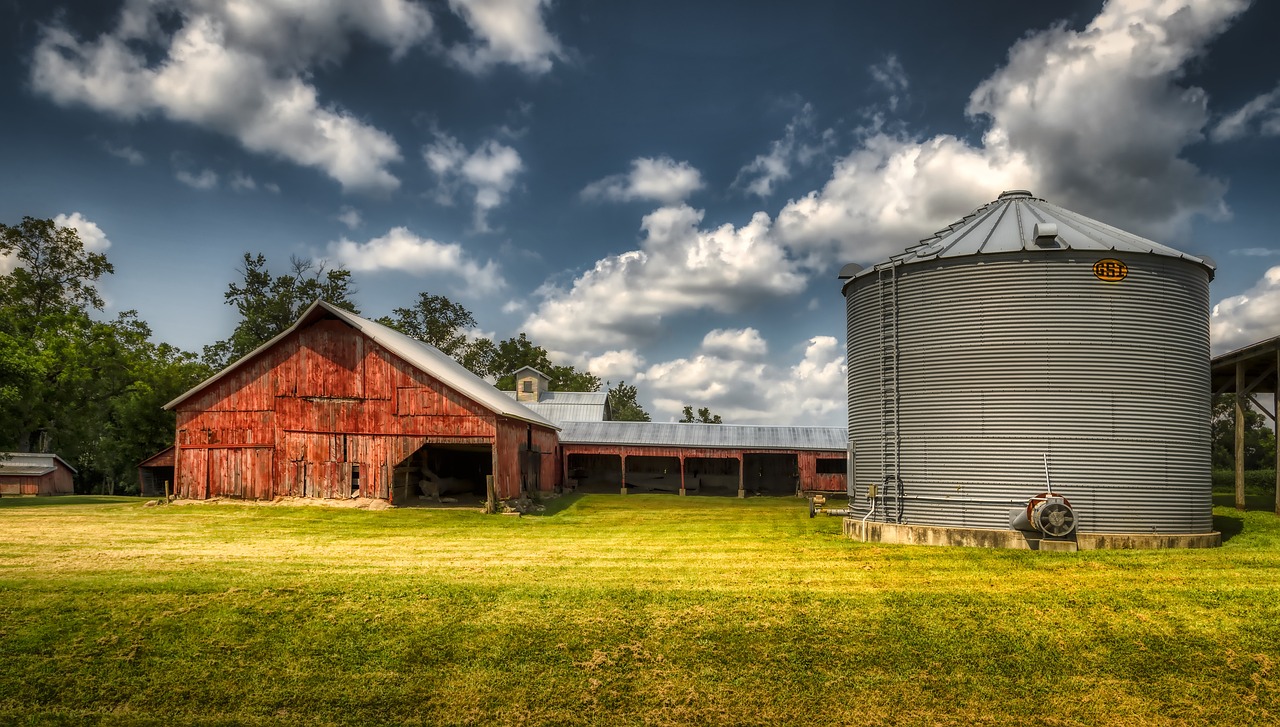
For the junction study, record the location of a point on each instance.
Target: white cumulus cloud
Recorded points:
(239, 69)
(487, 173)
(1252, 316)
(506, 31)
(401, 249)
(1095, 120)
(94, 239)
(742, 343)
(1260, 116)
(661, 180)
(350, 216)
(678, 268)
(810, 392)
(125, 152)
(205, 179)
(800, 145)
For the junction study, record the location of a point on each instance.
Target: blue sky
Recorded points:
(661, 192)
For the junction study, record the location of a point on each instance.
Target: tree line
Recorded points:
(92, 390)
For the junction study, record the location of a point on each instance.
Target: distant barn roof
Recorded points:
(425, 357)
(30, 464)
(1018, 221)
(707, 436)
(569, 406)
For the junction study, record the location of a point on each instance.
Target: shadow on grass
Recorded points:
(40, 501)
(1229, 525)
(557, 505)
(1253, 501)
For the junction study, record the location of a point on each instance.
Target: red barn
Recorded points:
(29, 473)
(338, 406)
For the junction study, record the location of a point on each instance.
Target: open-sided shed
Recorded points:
(155, 474)
(724, 458)
(338, 406)
(30, 473)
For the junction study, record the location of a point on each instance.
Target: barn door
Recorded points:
(530, 470)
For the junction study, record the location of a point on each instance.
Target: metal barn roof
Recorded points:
(569, 406)
(708, 436)
(426, 357)
(30, 464)
(1018, 221)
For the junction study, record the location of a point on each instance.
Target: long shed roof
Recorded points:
(30, 464)
(425, 357)
(569, 406)
(704, 436)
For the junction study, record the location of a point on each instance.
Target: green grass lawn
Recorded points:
(643, 609)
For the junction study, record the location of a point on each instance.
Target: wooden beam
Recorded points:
(1258, 405)
(1239, 449)
(682, 475)
(1277, 405)
(1265, 375)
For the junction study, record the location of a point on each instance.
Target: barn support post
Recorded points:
(742, 469)
(1276, 421)
(682, 492)
(624, 473)
(1239, 448)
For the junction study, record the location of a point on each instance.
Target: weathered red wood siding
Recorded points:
(57, 482)
(546, 441)
(301, 416)
(163, 458)
(807, 460)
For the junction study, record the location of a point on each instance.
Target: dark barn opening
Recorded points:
(595, 471)
(444, 470)
(771, 474)
(152, 480)
(711, 475)
(832, 466)
(659, 474)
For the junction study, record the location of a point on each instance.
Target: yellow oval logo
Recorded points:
(1110, 270)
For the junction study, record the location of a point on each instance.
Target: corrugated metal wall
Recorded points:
(1007, 359)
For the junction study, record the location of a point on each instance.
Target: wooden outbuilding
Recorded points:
(1248, 372)
(29, 473)
(706, 458)
(155, 474)
(338, 406)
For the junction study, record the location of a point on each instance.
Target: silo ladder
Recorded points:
(890, 440)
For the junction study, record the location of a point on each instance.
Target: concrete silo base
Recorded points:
(905, 534)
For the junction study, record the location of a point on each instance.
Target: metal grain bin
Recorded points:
(1028, 348)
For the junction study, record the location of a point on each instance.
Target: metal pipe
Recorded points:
(938, 498)
(1047, 484)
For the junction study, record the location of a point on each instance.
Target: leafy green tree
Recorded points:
(268, 304)
(87, 389)
(516, 353)
(704, 416)
(1259, 441)
(52, 273)
(44, 317)
(436, 320)
(624, 404)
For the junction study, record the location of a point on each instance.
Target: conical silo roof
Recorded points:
(1018, 221)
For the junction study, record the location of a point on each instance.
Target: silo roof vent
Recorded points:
(1018, 221)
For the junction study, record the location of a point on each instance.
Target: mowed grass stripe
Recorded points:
(612, 609)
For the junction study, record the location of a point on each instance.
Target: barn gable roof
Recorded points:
(30, 464)
(425, 357)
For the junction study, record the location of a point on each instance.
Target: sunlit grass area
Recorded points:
(609, 609)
